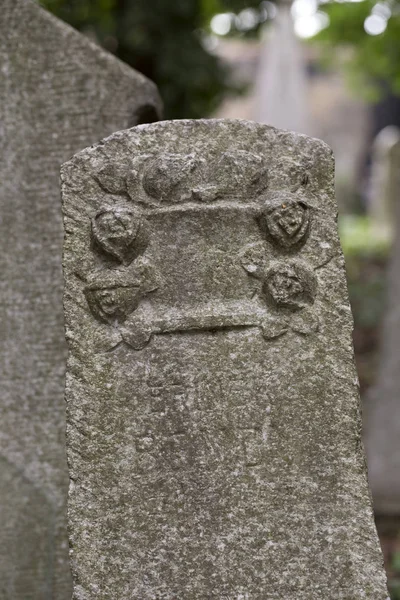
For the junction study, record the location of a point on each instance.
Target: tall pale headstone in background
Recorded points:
(58, 94)
(213, 433)
(281, 83)
(382, 408)
(385, 182)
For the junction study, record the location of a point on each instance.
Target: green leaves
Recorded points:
(371, 57)
(162, 39)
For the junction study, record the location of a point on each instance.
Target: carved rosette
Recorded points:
(123, 233)
(286, 221)
(287, 285)
(113, 296)
(112, 304)
(290, 287)
(290, 284)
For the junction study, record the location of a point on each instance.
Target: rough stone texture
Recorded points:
(382, 408)
(213, 428)
(58, 93)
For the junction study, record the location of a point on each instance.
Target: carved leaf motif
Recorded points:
(274, 326)
(104, 341)
(112, 178)
(121, 232)
(253, 259)
(206, 193)
(137, 336)
(287, 221)
(164, 173)
(305, 322)
(144, 275)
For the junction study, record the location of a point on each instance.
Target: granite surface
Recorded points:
(58, 93)
(213, 423)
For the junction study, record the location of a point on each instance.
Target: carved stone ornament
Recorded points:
(290, 285)
(114, 296)
(286, 220)
(121, 232)
(165, 172)
(289, 288)
(277, 324)
(236, 172)
(113, 304)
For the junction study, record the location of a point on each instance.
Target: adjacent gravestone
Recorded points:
(213, 432)
(58, 93)
(385, 182)
(382, 408)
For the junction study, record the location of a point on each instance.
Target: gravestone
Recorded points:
(58, 93)
(213, 426)
(282, 80)
(385, 182)
(382, 406)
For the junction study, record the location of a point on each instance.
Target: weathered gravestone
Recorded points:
(213, 430)
(58, 93)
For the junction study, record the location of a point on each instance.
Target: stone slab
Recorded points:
(213, 427)
(382, 406)
(58, 93)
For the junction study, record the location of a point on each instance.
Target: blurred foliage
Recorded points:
(166, 40)
(371, 59)
(366, 265)
(394, 578)
(358, 237)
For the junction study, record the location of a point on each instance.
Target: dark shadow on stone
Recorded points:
(147, 113)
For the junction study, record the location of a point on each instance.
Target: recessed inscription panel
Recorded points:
(211, 390)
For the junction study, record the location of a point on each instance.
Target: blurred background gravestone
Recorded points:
(59, 92)
(213, 429)
(281, 83)
(382, 408)
(385, 182)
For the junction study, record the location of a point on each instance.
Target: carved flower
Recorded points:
(290, 285)
(121, 232)
(113, 304)
(304, 322)
(112, 297)
(287, 220)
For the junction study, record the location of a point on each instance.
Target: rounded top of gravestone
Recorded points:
(206, 162)
(387, 138)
